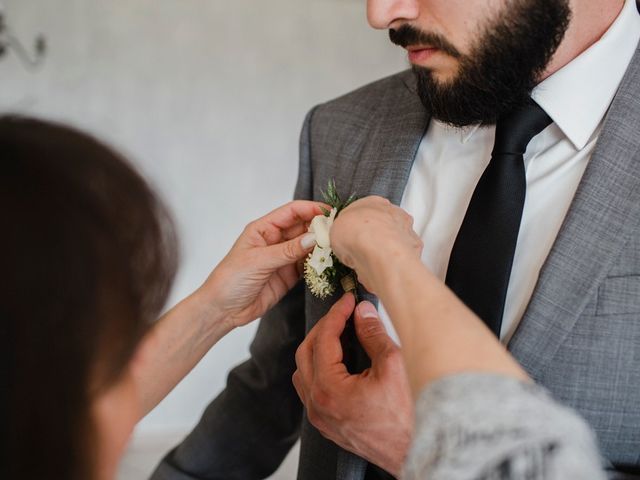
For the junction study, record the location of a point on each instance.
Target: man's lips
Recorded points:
(420, 53)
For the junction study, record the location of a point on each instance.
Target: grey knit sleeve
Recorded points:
(490, 427)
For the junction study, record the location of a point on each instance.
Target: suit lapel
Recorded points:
(393, 139)
(384, 153)
(383, 168)
(602, 216)
(388, 151)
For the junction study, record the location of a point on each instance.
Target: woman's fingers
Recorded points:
(283, 223)
(288, 252)
(293, 213)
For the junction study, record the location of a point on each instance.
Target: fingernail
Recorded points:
(367, 310)
(308, 240)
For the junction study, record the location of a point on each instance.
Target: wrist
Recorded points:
(393, 458)
(386, 268)
(214, 320)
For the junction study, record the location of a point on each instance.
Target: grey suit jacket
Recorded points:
(580, 336)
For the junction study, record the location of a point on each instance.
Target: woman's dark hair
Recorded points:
(87, 257)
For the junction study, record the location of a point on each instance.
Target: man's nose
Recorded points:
(384, 13)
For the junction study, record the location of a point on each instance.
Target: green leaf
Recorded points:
(352, 198)
(332, 198)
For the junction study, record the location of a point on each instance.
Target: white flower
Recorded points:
(319, 285)
(321, 226)
(317, 267)
(320, 259)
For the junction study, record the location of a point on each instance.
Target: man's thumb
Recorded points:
(286, 253)
(370, 330)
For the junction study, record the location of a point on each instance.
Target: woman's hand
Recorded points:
(371, 235)
(260, 268)
(262, 265)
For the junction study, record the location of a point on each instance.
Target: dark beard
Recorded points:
(503, 68)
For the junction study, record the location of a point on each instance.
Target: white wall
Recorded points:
(207, 97)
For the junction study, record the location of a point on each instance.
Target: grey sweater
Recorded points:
(490, 427)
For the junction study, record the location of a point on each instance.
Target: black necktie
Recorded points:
(482, 255)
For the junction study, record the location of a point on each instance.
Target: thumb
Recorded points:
(370, 330)
(286, 253)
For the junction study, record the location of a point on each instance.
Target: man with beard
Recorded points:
(514, 142)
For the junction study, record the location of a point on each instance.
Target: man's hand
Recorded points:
(263, 264)
(370, 414)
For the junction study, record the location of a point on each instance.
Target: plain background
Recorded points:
(207, 98)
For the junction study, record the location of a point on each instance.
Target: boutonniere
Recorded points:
(322, 269)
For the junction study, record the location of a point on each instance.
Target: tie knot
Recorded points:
(515, 130)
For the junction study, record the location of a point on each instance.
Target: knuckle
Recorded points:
(392, 356)
(322, 399)
(289, 251)
(295, 380)
(315, 419)
(410, 219)
(371, 329)
(300, 354)
(251, 226)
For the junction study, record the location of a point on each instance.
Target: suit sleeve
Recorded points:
(247, 431)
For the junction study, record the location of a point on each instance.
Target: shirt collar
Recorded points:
(578, 95)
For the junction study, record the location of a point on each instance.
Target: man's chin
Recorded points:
(440, 77)
(461, 103)
(443, 70)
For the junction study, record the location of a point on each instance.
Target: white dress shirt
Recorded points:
(450, 161)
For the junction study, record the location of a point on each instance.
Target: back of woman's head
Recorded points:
(87, 255)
